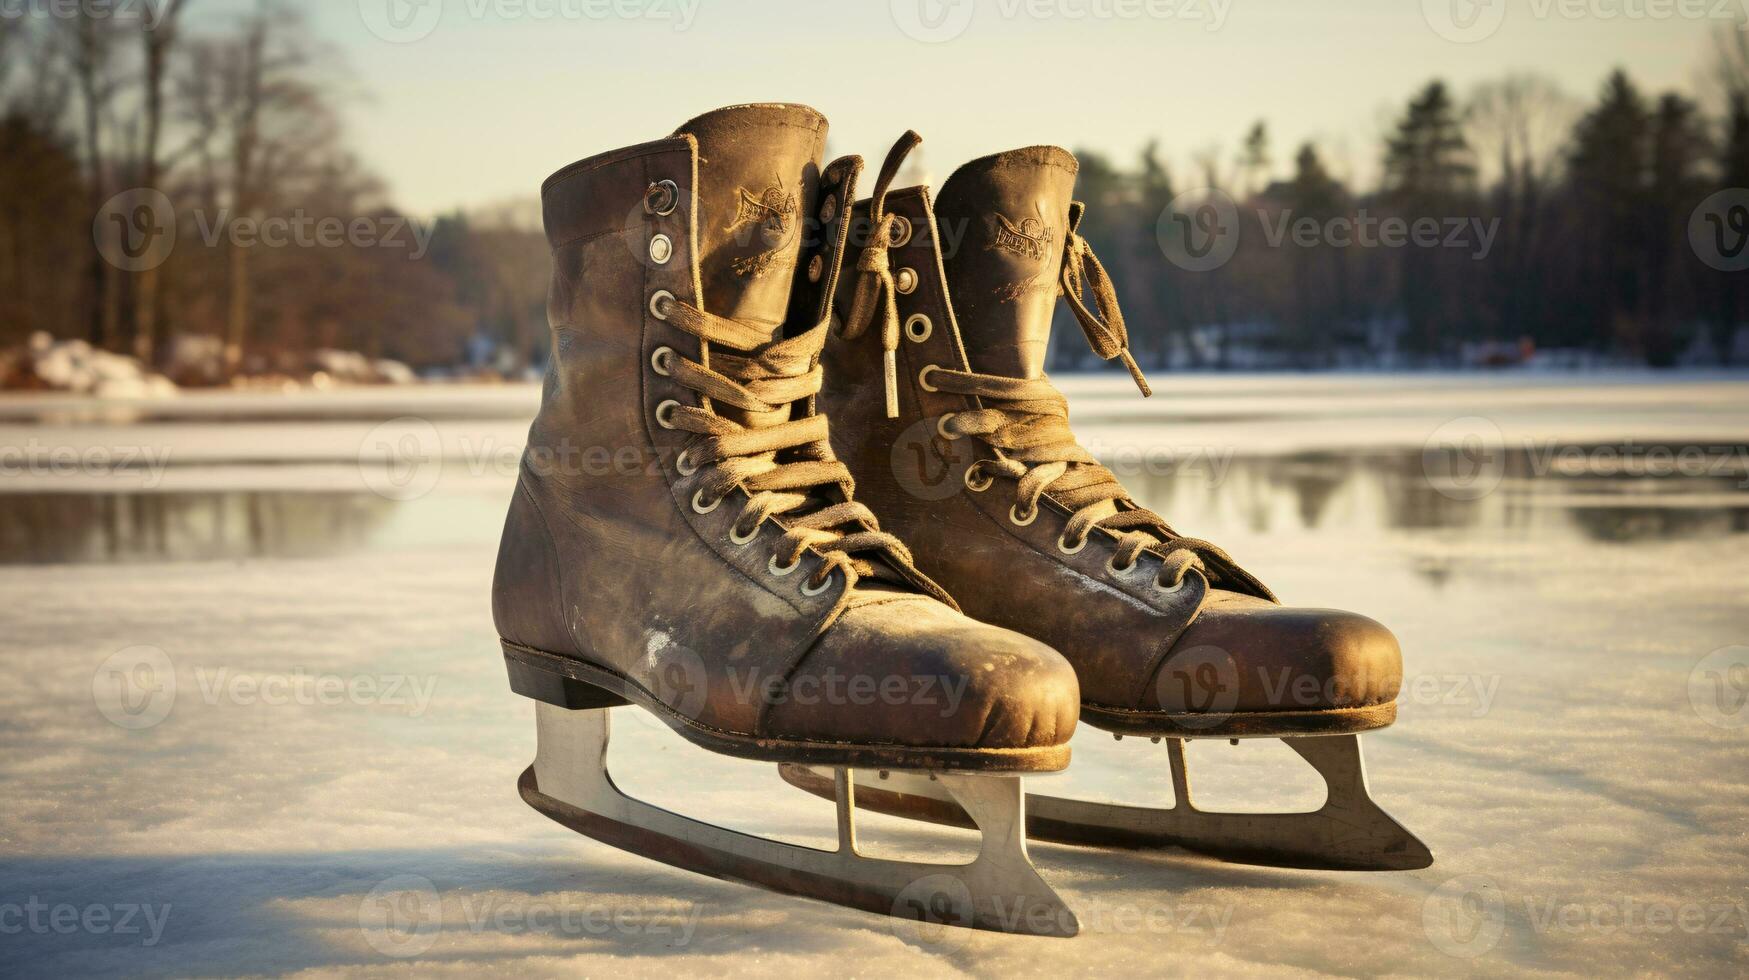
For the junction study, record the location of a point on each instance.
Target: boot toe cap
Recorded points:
(1292, 659)
(915, 672)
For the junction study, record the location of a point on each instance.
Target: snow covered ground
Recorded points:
(258, 722)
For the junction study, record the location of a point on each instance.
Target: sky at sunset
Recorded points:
(471, 102)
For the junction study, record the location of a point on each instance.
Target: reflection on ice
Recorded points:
(37, 528)
(1360, 492)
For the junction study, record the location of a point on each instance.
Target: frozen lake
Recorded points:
(259, 722)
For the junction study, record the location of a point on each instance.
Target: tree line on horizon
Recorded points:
(234, 120)
(1588, 207)
(1590, 213)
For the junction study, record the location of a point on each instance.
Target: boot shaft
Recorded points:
(607, 546)
(722, 215)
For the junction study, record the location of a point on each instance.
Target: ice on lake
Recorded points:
(258, 720)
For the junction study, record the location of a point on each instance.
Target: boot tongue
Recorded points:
(1011, 210)
(758, 175)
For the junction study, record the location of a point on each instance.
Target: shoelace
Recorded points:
(875, 285)
(1029, 429)
(785, 464)
(877, 289)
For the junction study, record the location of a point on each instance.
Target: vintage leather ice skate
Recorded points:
(935, 384)
(683, 539)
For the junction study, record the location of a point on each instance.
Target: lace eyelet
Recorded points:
(659, 301)
(1063, 546)
(901, 231)
(736, 537)
(905, 281)
(665, 413)
(700, 508)
(812, 590)
(973, 483)
(1173, 589)
(923, 377)
(1124, 572)
(941, 427)
(781, 570)
(684, 465)
(1014, 515)
(918, 327)
(661, 360)
(661, 197)
(661, 249)
(816, 268)
(828, 209)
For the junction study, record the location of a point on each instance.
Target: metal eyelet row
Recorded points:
(1022, 520)
(1130, 570)
(661, 198)
(783, 571)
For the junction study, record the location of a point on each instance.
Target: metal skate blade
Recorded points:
(999, 890)
(1350, 832)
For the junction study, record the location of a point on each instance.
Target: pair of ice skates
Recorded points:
(688, 535)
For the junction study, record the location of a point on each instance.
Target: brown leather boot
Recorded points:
(682, 537)
(935, 383)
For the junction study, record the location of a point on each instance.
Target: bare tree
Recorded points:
(1518, 125)
(261, 121)
(89, 38)
(157, 42)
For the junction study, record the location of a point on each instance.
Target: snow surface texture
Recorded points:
(321, 779)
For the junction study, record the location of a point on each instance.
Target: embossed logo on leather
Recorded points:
(771, 215)
(1029, 237)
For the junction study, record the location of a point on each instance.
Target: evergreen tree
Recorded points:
(1430, 173)
(1608, 176)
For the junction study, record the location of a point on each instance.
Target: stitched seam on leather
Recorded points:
(1151, 677)
(695, 723)
(556, 589)
(586, 239)
(591, 164)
